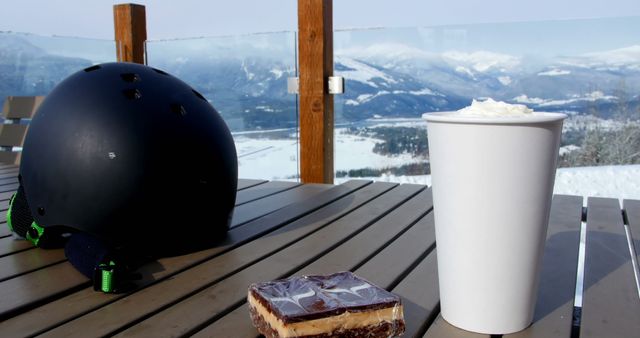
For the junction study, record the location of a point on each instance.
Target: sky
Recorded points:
(193, 18)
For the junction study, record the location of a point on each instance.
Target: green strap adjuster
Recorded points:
(104, 277)
(35, 233)
(9, 224)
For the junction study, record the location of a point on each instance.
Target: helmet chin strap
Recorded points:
(109, 268)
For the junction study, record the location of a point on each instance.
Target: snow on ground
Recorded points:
(590, 97)
(277, 158)
(355, 152)
(554, 72)
(266, 158)
(482, 61)
(505, 80)
(396, 122)
(361, 72)
(627, 56)
(588, 122)
(622, 182)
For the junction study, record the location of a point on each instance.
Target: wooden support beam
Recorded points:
(130, 32)
(315, 58)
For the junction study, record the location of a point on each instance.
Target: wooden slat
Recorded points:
(13, 134)
(256, 209)
(149, 300)
(9, 245)
(4, 230)
(262, 190)
(387, 267)
(57, 288)
(315, 55)
(250, 194)
(130, 26)
(4, 205)
(232, 291)
(29, 261)
(246, 183)
(8, 166)
(12, 157)
(420, 296)
(21, 107)
(5, 196)
(61, 310)
(40, 259)
(10, 173)
(610, 304)
(12, 187)
(553, 316)
(14, 170)
(403, 253)
(376, 237)
(548, 317)
(9, 180)
(632, 211)
(440, 328)
(37, 287)
(26, 261)
(346, 256)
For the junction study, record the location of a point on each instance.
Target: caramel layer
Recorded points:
(347, 320)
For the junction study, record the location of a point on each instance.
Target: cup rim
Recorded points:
(455, 117)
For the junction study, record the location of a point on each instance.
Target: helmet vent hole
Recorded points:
(198, 95)
(132, 94)
(41, 211)
(130, 77)
(178, 109)
(160, 71)
(92, 68)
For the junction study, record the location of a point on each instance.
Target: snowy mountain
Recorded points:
(26, 69)
(250, 93)
(613, 60)
(591, 82)
(372, 90)
(246, 81)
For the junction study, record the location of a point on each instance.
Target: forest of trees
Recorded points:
(594, 144)
(602, 146)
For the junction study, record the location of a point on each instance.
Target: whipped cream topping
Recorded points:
(495, 109)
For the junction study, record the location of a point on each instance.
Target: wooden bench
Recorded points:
(15, 110)
(383, 232)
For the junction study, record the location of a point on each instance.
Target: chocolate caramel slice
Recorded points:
(337, 305)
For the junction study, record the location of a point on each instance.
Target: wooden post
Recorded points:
(130, 31)
(315, 58)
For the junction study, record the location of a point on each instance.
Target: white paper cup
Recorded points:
(492, 183)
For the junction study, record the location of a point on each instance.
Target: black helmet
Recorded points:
(130, 155)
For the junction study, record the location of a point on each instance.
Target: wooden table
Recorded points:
(383, 232)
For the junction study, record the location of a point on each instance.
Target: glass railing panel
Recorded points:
(589, 69)
(32, 64)
(245, 78)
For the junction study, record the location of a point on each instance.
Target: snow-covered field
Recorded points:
(622, 182)
(276, 159)
(267, 158)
